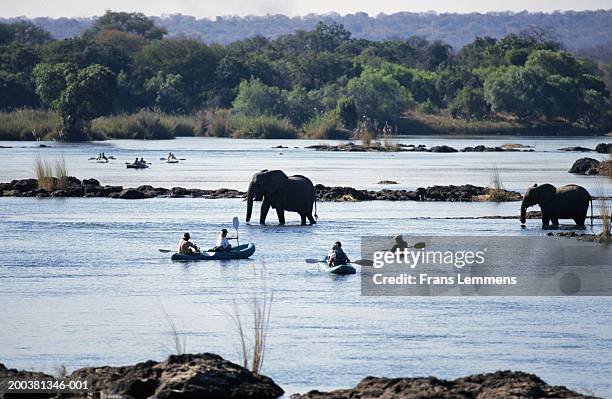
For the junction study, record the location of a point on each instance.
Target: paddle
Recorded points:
(165, 251)
(236, 224)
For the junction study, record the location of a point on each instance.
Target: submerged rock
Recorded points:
(442, 148)
(501, 384)
(604, 148)
(575, 149)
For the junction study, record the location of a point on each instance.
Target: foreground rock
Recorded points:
(184, 376)
(73, 187)
(502, 384)
(464, 193)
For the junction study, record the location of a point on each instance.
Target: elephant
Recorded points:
(567, 202)
(283, 193)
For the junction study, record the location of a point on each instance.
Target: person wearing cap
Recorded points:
(186, 247)
(223, 243)
(337, 256)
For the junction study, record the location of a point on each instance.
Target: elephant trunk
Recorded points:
(523, 212)
(249, 203)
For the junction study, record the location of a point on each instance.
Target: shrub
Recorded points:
(145, 125)
(469, 104)
(215, 123)
(264, 127)
(326, 126)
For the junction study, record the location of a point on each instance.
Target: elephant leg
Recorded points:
(311, 219)
(265, 207)
(580, 221)
(303, 217)
(545, 221)
(554, 221)
(281, 216)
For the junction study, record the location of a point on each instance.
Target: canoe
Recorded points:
(241, 252)
(136, 166)
(101, 160)
(347, 268)
(172, 161)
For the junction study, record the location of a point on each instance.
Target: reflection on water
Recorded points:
(82, 282)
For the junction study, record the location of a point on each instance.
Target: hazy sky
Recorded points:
(209, 8)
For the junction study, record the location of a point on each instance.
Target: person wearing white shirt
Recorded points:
(223, 241)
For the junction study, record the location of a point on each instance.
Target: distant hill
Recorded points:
(577, 31)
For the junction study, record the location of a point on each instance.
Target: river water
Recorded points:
(82, 282)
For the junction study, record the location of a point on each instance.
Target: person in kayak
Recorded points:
(337, 256)
(186, 247)
(223, 243)
(142, 161)
(399, 245)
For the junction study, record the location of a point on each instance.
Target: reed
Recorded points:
(605, 212)
(496, 190)
(179, 342)
(252, 325)
(61, 174)
(44, 174)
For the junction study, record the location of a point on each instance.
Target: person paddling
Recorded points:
(223, 243)
(186, 247)
(337, 256)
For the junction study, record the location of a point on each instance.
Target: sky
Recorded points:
(212, 8)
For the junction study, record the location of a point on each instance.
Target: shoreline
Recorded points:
(200, 375)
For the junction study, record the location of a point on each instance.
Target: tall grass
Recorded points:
(144, 125)
(496, 189)
(326, 126)
(366, 131)
(51, 175)
(605, 212)
(251, 318)
(179, 342)
(28, 124)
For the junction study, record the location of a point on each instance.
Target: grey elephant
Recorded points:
(567, 202)
(283, 193)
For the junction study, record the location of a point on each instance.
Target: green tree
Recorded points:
(378, 96)
(130, 22)
(347, 112)
(469, 104)
(169, 92)
(256, 98)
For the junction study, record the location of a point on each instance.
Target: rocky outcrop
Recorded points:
(74, 187)
(178, 377)
(377, 147)
(463, 193)
(501, 384)
(442, 148)
(585, 166)
(604, 148)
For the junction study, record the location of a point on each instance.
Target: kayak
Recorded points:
(241, 252)
(347, 268)
(101, 160)
(172, 161)
(136, 166)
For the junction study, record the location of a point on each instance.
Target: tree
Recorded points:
(77, 95)
(130, 22)
(516, 90)
(169, 92)
(23, 32)
(347, 112)
(378, 96)
(469, 104)
(255, 98)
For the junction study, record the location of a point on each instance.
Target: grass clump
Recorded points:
(326, 126)
(605, 212)
(51, 176)
(496, 191)
(252, 321)
(28, 124)
(143, 125)
(264, 127)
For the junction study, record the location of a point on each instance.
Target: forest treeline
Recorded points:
(576, 30)
(317, 83)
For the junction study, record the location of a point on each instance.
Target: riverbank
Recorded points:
(71, 187)
(207, 375)
(36, 124)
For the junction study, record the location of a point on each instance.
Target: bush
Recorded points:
(326, 126)
(215, 123)
(469, 104)
(145, 125)
(28, 124)
(264, 127)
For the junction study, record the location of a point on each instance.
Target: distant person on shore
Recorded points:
(399, 245)
(223, 243)
(336, 256)
(186, 247)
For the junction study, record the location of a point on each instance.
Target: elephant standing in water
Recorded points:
(283, 193)
(567, 202)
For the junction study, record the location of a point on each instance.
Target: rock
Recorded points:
(575, 149)
(145, 188)
(72, 180)
(482, 148)
(387, 182)
(604, 148)
(24, 184)
(114, 189)
(514, 146)
(90, 182)
(442, 148)
(501, 384)
(131, 194)
(280, 146)
(6, 373)
(183, 376)
(179, 192)
(584, 166)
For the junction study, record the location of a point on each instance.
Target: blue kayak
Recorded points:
(347, 268)
(240, 252)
